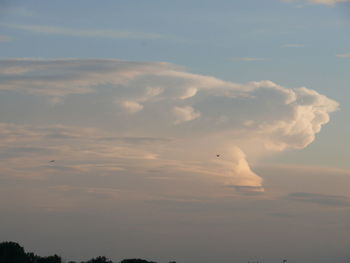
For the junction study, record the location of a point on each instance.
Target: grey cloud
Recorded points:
(136, 140)
(320, 199)
(282, 215)
(248, 190)
(12, 152)
(59, 168)
(62, 135)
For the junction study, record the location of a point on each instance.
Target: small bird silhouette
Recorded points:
(52, 161)
(218, 155)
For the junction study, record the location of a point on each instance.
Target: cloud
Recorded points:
(328, 2)
(99, 192)
(76, 150)
(202, 115)
(89, 33)
(320, 199)
(323, 2)
(294, 45)
(244, 179)
(282, 215)
(11, 7)
(4, 38)
(186, 113)
(131, 106)
(345, 55)
(61, 77)
(249, 59)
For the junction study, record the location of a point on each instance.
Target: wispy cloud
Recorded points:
(328, 2)
(4, 38)
(294, 45)
(345, 55)
(90, 33)
(10, 8)
(282, 215)
(249, 59)
(322, 2)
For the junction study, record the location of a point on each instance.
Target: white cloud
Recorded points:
(131, 106)
(186, 113)
(70, 76)
(240, 121)
(242, 174)
(190, 92)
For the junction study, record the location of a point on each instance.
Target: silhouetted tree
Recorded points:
(136, 260)
(11, 252)
(99, 260)
(49, 259)
(32, 258)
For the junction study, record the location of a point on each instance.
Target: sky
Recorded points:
(187, 131)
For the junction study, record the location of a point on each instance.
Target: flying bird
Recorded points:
(52, 161)
(218, 155)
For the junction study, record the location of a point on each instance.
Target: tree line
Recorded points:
(12, 252)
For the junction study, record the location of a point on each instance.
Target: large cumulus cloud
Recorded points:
(202, 115)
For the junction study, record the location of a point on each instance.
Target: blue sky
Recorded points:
(134, 100)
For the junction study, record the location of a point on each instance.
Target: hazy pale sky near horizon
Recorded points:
(133, 101)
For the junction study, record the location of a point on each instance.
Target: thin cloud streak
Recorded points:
(345, 55)
(4, 38)
(320, 199)
(322, 2)
(329, 2)
(249, 59)
(89, 33)
(293, 45)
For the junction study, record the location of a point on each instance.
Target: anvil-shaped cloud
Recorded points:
(200, 116)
